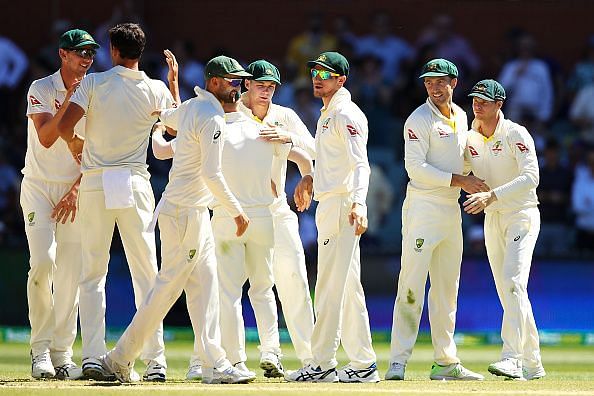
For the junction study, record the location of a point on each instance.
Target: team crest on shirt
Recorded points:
(442, 133)
(34, 101)
(279, 124)
(497, 148)
(325, 124)
(522, 147)
(419, 244)
(31, 218)
(473, 152)
(191, 254)
(352, 130)
(411, 135)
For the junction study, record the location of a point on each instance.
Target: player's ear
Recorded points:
(454, 82)
(341, 80)
(247, 83)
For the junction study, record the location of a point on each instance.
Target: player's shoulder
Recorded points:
(513, 129)
(421, 113)
(349, 111)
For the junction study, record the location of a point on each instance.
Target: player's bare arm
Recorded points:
(477, 202)
(71, 116)
(303, 193)
(46, 125)
(358, 218)
(67, 205)
(273, 134)
(471, 184)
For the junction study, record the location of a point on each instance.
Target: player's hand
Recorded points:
(173, 72)
(358, 218)
(471, 184)
(272, 134)
(477, 202)
(72, 89)
(159, 128)
(242, 222)
(66, 207)
(76, 146)
(303, 193)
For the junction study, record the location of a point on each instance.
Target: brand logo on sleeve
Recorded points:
(34, 101)
(57, 104)
(522, 147)
(473, 152)
(352, 130)
(516, 239)
(326, 241)
(411, 135)
(216, 135)
(31, 218)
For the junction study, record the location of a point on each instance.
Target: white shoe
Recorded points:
(508, 367)
(155, 372)
(312, 374)
(93, 368)
(194, 371)
(351, 374)
(231, 375)
(396, 371)
(41, 366)
(124, 374)
(243, 368)
(453, 372)
(68, 371)
(532, 373)
(271, 364)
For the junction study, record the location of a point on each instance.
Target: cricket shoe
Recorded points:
(351, 374)
(230, 375)
(123, 373)
(395, 372)
(41, 366)
(532, 373)
(271, 364)
(312, 374)
(93, 368)
(243, 368)
(508, 367)
(194, 371)
(68, 371)
(155, 372)
(453, 372)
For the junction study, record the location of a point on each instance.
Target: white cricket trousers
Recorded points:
(290, 278)
(510, 239)
(239, 259)
(97, 226)
(55, 264)
(339, 297)
(431, 243)
(188, 262)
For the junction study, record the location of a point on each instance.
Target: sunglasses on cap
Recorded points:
(86, 53)
(323, 74)
(234, 82)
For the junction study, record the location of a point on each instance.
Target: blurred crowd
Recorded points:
(554, 103)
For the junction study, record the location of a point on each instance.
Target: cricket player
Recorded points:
(281, 124)
(340, 183)
(502, 152)
(115, 188)
(51, 180)
(187, 244)
(434, 141)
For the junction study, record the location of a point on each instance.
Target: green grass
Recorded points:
(570, 371)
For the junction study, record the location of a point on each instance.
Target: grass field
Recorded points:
(570, 371)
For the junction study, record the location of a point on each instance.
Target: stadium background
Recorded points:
(560, 287)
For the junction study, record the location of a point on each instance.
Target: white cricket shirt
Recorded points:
(507, 162)
(341, 150)
(434, 150)
(118, 104)
(247, 162)
(54, 164)
(196, 173)
(286, 119)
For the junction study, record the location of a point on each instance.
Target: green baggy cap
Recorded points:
(489, 90)
(221, 66)
(77, 38)
(262, 70)
(332, 61)
(439, 68)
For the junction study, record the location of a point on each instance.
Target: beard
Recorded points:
(229, 97)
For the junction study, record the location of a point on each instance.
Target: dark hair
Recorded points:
(129, 39)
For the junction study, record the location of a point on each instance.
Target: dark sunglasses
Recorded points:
(84, 52)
